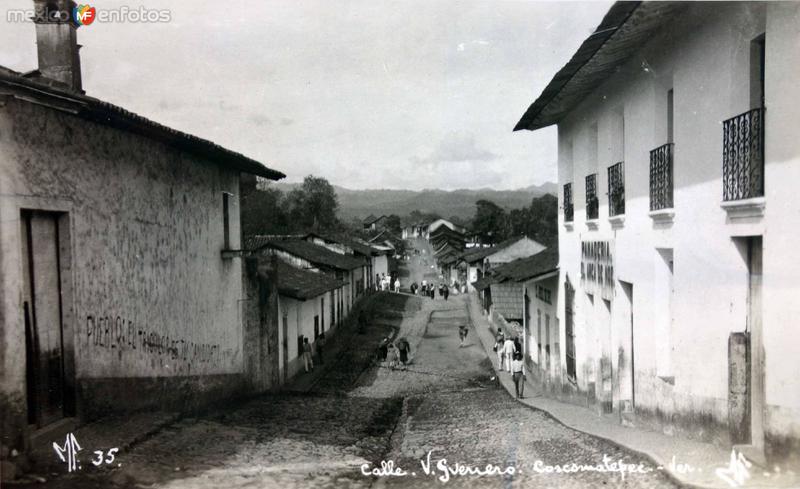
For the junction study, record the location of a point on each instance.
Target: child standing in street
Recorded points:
(518, 374)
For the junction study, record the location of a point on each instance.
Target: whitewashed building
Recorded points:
(679, 159)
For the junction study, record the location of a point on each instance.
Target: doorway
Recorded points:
(285, 347)
(50, 377)
(625, 362)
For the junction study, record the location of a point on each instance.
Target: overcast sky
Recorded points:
(368, 94)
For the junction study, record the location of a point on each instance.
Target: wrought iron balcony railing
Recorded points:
(661, 189)
(616, 189)
(592, 205)
(569, 208)
(743, 156)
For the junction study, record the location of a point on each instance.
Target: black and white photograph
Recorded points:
(373, 244)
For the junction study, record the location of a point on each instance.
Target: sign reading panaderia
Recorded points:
(597, 268)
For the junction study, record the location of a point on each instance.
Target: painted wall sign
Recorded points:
(597, 268)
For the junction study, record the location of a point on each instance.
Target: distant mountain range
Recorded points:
(446, 203)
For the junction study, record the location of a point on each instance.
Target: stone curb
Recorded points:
(655, 459)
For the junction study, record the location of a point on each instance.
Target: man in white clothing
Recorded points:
(508, 351)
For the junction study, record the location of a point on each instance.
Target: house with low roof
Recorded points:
(117, 293)
(480, 260)
(373, 223)
(306, 309)
(310, 256)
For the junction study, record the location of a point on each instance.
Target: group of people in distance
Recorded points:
(509, 355)
(429, 290)
(394, 354)
(385, 283)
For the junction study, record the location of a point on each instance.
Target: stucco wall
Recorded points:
(151, 296)
(704, 57)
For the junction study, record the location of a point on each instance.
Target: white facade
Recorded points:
(656, 339)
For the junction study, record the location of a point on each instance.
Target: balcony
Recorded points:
(743, 156)
(592, 204)
(661, 186)
(569, 208)
(616, 189)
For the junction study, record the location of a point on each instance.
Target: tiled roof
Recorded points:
(357, 246)
(303, 284)
(316, 254)
(100, 112)
(480, 253)
(625, 28)
(507, 299)
(541, 263)
(520, 270)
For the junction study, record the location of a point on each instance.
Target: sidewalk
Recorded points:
(687, 462)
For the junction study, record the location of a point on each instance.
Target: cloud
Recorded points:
(260, 120)
(456, 148)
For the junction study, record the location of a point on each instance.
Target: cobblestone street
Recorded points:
(446, 401)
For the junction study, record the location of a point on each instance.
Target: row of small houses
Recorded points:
(319, 280)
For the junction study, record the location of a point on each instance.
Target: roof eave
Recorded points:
(614, 19)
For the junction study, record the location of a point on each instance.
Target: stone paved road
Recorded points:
(445, 401)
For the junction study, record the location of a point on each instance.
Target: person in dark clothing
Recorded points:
(403, 349)
(383, 350)
(517, 344)
(320, 346)
(446, 292)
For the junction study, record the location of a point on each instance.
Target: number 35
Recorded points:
(109, 459)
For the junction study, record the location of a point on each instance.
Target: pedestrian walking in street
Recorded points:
(391, 356)
(320, 346)
(508, 352)
(462, 334)
(518, 374)
(517, 345)
(499, 339)
(383, 350)
(403, 349)
(307, 360)
(446, 292)
(397, 285)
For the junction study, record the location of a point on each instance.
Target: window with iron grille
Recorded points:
(616, 189)
(661, 177)
(592, 204)
(743, 156)
(569, 209)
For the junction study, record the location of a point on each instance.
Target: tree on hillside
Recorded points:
(543, 219)
(313, 206)
(394, 225)
(418, 216)
(489, 222)
(537, 221)
(263, 211)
